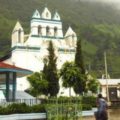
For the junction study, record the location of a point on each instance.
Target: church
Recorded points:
(29, 50)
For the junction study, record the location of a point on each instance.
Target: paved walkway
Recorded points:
(88, 118)
(114, 114)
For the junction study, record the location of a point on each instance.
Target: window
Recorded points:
(73, 36)
(47, 14)
(47, 31)
(39, 30)
(55, 31)
(19, 35)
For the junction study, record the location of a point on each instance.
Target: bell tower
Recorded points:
(17, 35)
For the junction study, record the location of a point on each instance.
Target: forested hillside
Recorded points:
(97, 24)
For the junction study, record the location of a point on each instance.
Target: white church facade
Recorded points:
(29, 50)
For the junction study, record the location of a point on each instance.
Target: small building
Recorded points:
(113, 88)
(8, 75)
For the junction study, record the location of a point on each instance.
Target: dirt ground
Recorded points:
(88, 118)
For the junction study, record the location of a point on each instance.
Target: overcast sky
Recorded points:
(115, 1)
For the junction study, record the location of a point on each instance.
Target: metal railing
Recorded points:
(64, 109)
(29, 102)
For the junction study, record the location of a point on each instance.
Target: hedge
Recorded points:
(21, 108)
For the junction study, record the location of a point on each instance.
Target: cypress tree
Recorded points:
(50, 70)
(80, 84)
(45, 71)
(79, 58)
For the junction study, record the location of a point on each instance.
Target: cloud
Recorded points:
(106, 1)
(114, 1)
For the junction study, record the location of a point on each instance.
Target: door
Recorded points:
(113, 93)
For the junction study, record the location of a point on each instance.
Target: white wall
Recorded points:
(33, 60)
(44, 24)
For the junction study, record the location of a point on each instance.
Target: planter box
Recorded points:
(27, 116)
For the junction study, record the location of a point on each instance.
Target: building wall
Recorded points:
(33, 60)
(35, 23)
(30, 52)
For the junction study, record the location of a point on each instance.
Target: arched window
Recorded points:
(19, 35)
(47, 14)
(73, 36)
(39, 30)
(55, 31)
(47, 31)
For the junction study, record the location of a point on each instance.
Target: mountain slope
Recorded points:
(97, 24)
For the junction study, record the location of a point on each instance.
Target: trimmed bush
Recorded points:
(21, 108)
(38, 108)
(91, 100)
(18, 108)
(86, 107)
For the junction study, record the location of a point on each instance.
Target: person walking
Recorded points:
(102, 107)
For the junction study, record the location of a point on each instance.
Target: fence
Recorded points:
(69, 109)
(57, 109)
(30, 102)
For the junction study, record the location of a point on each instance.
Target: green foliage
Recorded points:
(79, 57)
(86, 107)
(50, 71)
(38, 108)
(72, 77)
(80, 84)
(21, 108)
(69, 72)
(105, 38)
(62, 99)
(92, 85)
(88, 48)
(85, 102)
(38, 83)
(91, 100)
(100, 31)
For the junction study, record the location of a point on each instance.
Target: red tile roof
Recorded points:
(8, 67)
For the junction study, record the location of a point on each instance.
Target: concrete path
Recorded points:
(113, 114)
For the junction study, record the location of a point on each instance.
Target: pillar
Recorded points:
(7, 85)
(14, 86)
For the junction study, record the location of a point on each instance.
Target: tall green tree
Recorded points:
(79, 57)
(80, 84)
(45, 71)
(71, 74)
(92, 84)
(50, 71)
(38, 84)
(45, 61)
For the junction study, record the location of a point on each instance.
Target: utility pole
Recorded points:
(106, 76)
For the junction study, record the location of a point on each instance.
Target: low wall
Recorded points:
(27, 116)
(87, 112)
